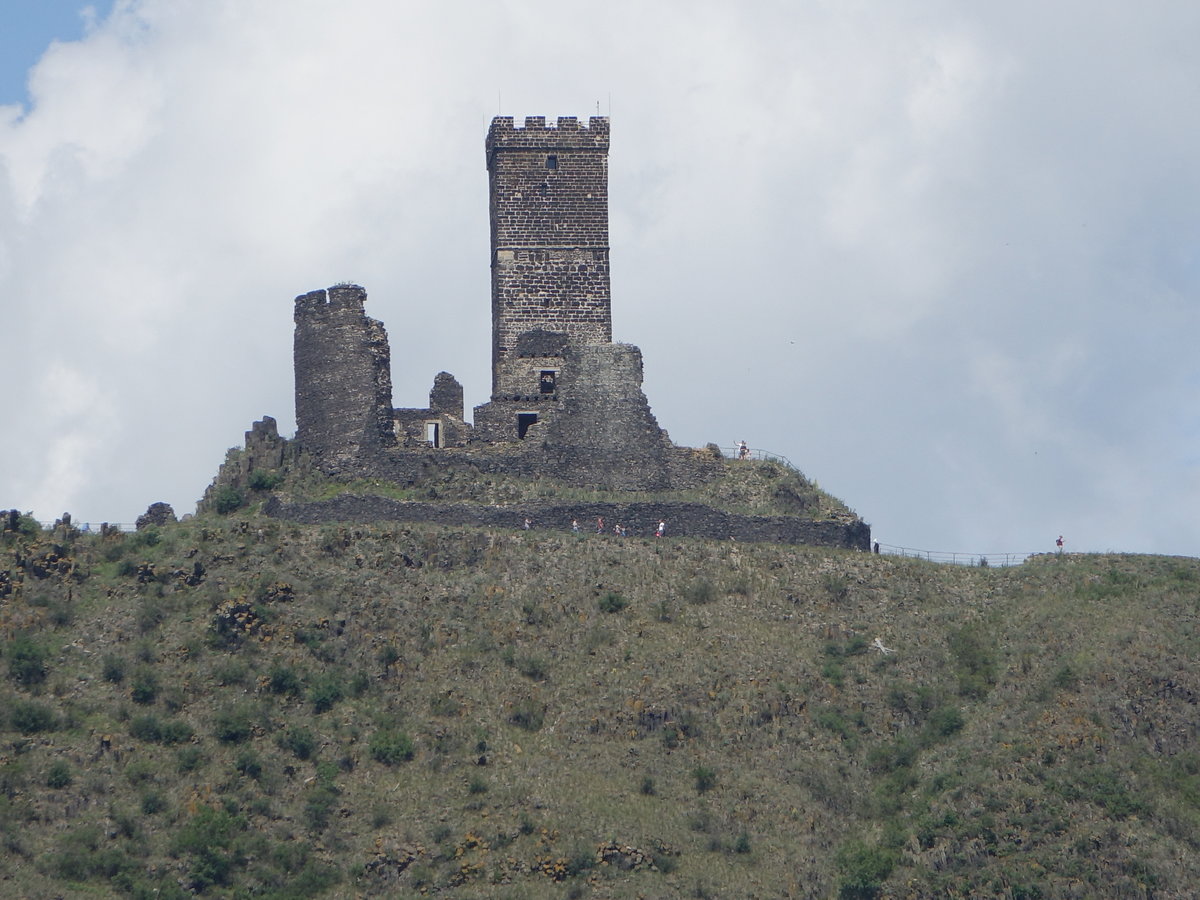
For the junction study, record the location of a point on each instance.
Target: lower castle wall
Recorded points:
(640, 519)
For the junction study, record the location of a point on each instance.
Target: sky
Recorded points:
(944, 257)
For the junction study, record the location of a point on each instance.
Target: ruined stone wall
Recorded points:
(445, 411)
(343, 380)
(683, 519)
(264, 451)
(604, 434)
(549, 234)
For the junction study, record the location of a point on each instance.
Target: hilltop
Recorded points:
(241, 706)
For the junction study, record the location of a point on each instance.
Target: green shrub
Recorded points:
(188, 759)
(388, 656)
(153, 730)
(833, 672)
(150, 614)
(1065, 679)
(175, 731)
(143, 687)
(945, 721)
(477, 785)
(232, 726)
(248, 764)
(59, 775)
(282, 679)
(26, 661)
(864, 869)
(28, 525)
(612, 602)
(325, 692)
(113, 668)
(212, 840)
(299, 741)
(29, 717)
(227, 499)
(265, 480)
(146, 728)
(319, 802)
(975, 662)
(899, 753)
(1104, 787)
(706, 779)
(390, 746)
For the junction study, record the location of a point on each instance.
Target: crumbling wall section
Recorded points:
(604, 435)
(438, 425)
(343, 380)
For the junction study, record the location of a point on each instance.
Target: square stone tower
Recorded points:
(548, 187)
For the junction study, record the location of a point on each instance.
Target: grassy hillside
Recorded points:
(240, 707)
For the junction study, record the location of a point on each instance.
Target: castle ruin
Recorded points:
(566, 401)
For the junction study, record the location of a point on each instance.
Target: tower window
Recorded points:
(524, 420)
(546, 381)
(552, 161)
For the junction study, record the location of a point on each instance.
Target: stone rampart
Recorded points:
(640, 519)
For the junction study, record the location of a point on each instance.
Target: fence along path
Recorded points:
(941, 556)
(959, 559)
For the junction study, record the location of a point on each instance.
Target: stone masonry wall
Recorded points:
(683, 519)
(604, 434)
(549, 232)
(445, 410)
(343, 380)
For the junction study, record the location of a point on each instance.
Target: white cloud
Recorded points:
(942, 258)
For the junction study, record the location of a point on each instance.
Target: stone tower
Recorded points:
(343, 380)
(550, 272)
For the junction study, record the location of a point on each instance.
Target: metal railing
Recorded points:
(92, 527)
(959, 559)
(763, 455)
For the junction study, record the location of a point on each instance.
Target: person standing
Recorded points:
(662, 528)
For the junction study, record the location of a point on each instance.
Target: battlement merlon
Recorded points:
(537, 135)
(339, 297)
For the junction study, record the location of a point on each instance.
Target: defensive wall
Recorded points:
(692, 520)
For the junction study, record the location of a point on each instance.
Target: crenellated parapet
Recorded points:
(537, 135)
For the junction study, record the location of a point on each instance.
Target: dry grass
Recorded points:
(1031, 736)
